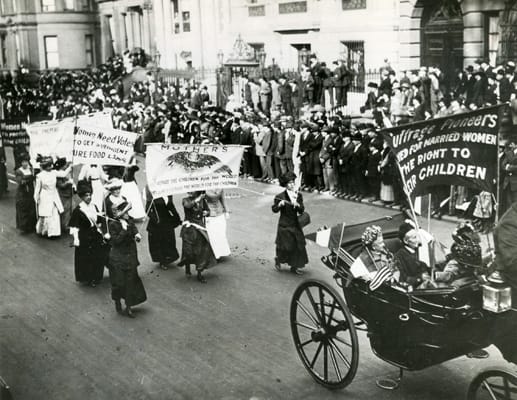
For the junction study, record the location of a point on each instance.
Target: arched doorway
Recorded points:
(442, 36)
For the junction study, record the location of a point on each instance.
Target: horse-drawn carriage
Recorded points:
(411, 330)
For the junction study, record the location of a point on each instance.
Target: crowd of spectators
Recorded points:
(282, 121)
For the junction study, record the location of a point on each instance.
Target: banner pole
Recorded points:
(429, 212)
(498, 183)
(411, 206)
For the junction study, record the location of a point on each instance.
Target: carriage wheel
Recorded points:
(324, 334)
(493, 385)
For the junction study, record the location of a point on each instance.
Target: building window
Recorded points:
(48, 5)
(86, 5)
(69, 5)
(353, 4)
(3, 45)
(177, 28)
(491, 37)
(257, 11)
(88, 48)
(51, 52)
(257, 49)
(292, 7)
(2, 7)
(185, 16)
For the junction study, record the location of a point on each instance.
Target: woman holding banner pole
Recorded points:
(163, 219)
(196, 247)
(46, 197)
(25, 207)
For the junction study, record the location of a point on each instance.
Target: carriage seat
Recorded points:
(393, 244)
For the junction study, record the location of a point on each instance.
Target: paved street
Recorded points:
(229, 339)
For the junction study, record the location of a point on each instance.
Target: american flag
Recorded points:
(384, 274)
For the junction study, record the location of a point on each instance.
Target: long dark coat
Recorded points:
(290, 241)
(25, 206)
(163, 218)
(91, 255)
(196, 247)
(313, 160)
(123, 263)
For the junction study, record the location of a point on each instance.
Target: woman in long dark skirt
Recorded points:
(290, 241)
(196, 247)
(163, 219)
(90, 252)
(25, 206)
(123, 260)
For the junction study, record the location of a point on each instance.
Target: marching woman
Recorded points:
(196, 247)
(216, 222)
(114, 197)
(97, 177)
(123, 260)
(163, 219)
(89, 257)
(25, 207)
(131, 192)
(46, 197)
(290, 241)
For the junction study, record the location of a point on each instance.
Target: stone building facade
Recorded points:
(41, 34)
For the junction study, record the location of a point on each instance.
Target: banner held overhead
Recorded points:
(456, 150)
(181, 168)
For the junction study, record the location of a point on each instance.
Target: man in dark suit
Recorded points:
(303, 152)
(358, 163)
(286, 93)
(343, 164)
(505, 86)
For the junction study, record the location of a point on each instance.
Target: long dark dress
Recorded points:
(196, 247)
(290, 241)
(90, 255)
(123, 263)
(163, 218)
(25, 206)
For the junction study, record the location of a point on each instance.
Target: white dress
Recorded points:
(48, 203)
(97, 177)
(216, 224)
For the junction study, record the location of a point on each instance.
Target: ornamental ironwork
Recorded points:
(292, 7)
(257, 11)
(353, 4)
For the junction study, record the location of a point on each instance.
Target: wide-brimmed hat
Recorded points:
(45, 162)
(83, 188)
(120, 208)
(115, 183)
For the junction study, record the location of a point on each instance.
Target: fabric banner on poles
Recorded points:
(181, 168)
(456, 150)
(102, 119)
(102, 146)
(51, 138)
(13, 132)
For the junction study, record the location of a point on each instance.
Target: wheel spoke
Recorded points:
(305, 343)
(311, 317)
(325, 362)
(306, 326)
(340, 353)
(489, 389)
(342, 341)
(331, 313)
(316, 355)
(335, 364)
(322, 305)
(314, 306)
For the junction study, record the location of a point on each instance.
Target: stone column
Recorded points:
(159, 38)
(124, 42)
(168, 55)
(128, 22)
(147, 44)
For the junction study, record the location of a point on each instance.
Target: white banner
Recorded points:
(51, 138)
(181, 168)
(102, 146)
(56, 138)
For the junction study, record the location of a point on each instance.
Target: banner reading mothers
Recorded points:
(456, 150)
(181, 168)
(102, 146)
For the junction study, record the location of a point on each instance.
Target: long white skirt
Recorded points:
(49, 226)
(216, 229)
(98, 194)
(131, 192)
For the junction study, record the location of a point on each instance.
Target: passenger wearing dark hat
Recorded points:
(90, 254)
(123, 260)
(413, 272)
(290, 241)
(25, 206)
